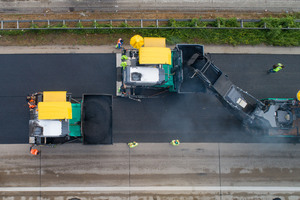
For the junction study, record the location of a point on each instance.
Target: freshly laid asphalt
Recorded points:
(189, 117)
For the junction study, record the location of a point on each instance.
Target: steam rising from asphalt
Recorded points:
(199, 118)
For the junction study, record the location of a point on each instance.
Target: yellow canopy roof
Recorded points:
(54, 96)
(54, 110)
(154, 42)
(155, 55)
(137, 41)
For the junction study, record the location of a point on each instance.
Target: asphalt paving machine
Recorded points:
(56, 118)
(149, 69)
(271, 116)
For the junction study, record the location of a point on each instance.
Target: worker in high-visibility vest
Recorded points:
(124, 58)
(175, 142)
(124, 64)
(31, 101)
(119, 44)
(31, 106)
(34, 151)
(276, 68)
(133, 144)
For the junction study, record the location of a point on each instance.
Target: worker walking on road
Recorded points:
(276, 68)
(119, 44)
(133, 144)
(175, 142)
(34, 151)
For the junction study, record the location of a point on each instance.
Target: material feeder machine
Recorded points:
(269, 117)
(148, 70)
(56, 118)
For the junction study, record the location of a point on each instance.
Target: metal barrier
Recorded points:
(128, 24)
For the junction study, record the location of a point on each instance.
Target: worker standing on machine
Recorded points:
(276, 68)
(124, 65)
(31, 101)
(175, 142)
(124, 59)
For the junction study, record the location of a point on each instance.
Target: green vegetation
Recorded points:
(204, 32)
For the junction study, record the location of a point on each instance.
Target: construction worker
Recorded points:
(34, 151)
(122, 89)
(119, 44)
(31, 106)
(31, 101)
(124, 58)
(133, 144)
(124, 64)
(276, 68)
(175, 142)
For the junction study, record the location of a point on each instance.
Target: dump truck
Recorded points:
(56, 118)
(271, 116)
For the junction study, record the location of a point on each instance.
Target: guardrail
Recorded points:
(134, 24)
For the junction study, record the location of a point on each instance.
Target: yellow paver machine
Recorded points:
(56, 117)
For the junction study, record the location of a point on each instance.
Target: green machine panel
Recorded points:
(74, 123)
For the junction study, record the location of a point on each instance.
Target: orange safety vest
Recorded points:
(34, 152)
(31, 106)
(119, 40)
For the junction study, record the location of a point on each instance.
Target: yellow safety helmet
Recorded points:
(298, 95)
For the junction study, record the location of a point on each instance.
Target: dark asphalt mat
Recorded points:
(96, 119)
(14, 119)
(249, 72)
(190, 117)
(75, 73)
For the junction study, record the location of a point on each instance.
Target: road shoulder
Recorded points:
(261, 49)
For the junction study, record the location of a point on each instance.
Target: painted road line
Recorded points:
(152, 188)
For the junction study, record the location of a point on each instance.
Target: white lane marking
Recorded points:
(151, 188)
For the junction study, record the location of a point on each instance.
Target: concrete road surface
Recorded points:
(189, 171)
(39, 6)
